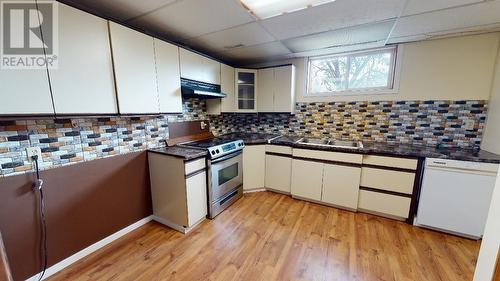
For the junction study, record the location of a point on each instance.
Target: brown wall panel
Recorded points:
(186, 128)
(84, 203)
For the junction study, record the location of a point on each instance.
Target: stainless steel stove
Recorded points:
(225, 171)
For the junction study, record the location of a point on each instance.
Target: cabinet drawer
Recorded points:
(328, 156)
(401, 182)
(279, 149)
(194, 165)
(393, 162)
(386, 204)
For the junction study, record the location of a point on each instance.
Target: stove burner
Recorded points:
(216, 147)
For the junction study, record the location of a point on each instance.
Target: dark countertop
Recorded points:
(180, 152)
(404, 150)
(249, 138)
(377, 148)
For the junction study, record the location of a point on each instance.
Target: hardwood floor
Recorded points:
(268, 236)
(496, 277)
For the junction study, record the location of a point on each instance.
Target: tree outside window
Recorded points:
(361, 71)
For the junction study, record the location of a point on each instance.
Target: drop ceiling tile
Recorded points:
(266, 50)
(335, 15)
(191, 18)
(341, 49)
(449, 20)
(341, 37)
(243, 35)
(121, 9)
(422, 6)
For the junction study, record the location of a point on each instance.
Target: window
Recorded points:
(366, 71)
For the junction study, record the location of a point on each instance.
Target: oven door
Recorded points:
(226, 175)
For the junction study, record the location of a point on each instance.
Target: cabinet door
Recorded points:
(246, 90)
(135, 70)
(266, 90)
(196, 191)
(227, 87)
(19, 97)
(278, 172)
(169, 80)
(254, 167)
(25, 91)
(307, 179)
(199, 68)
(227, 104)
(83, 82)
(341, 186)
(284, 89)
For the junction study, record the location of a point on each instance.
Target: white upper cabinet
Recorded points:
(266, 90)
(169, 81)
(246, 90)
(25, 91)
(199, 68)
(276, 91)
(17, 96)
(227, 104)
(227, 87)
(135, 70)
(284, 89)
(83, 81)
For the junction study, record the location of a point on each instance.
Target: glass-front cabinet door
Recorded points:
(246, 87)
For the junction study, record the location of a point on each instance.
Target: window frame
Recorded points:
(394, 74)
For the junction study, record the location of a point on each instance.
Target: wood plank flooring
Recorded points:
(268, 236)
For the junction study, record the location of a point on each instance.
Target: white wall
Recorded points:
(458, 68)
(491, 139)
(491, 240)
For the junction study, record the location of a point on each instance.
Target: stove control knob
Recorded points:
(213, 152)
(217, 150)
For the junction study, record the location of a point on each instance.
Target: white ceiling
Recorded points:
(226, 30)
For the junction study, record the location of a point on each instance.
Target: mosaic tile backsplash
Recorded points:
(69, 141)
(451, 123)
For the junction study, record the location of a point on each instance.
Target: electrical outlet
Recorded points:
(469, 124)
(32, 151)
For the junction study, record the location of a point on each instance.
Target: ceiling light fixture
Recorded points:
(264, 9)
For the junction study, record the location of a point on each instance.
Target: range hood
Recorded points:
(196, 89)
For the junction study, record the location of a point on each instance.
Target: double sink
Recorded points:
(331, 143)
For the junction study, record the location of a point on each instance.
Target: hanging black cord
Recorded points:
(39, 183)
(43, 232)
(45, 57)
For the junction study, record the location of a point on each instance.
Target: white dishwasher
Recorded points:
(455, 196)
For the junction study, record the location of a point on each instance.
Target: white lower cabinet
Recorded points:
(388, 205)
(196, 192)
(329, 177)
(307, 179)
(341, 185)
(178, 191)
(254, 167)
(278, 173)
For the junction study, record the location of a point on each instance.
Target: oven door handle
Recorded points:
(229, 156)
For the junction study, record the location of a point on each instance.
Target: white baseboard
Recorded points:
(90, 249)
